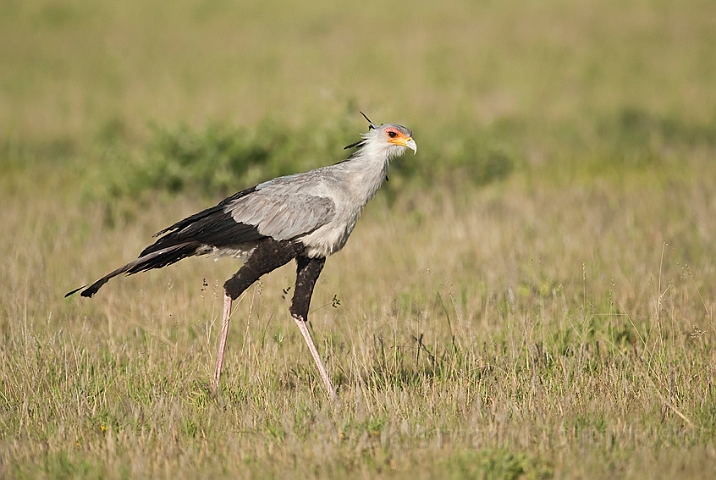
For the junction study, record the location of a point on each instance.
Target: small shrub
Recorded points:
(219, 159)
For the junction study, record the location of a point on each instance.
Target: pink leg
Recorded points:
(316, 358)
(222, 344)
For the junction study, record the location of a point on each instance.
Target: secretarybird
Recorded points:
(307, 216)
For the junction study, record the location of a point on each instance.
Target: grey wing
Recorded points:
(283, 216)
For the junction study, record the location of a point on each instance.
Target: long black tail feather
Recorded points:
(211, 227)
(155, 259)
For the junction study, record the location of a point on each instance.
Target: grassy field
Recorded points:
(531, 296)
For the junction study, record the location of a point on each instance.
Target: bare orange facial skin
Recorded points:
(396, 137)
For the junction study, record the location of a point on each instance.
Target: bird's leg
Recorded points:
(222, 342)
(268, 255)
(314, 353)
(306, 275)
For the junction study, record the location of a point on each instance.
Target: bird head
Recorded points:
(397, 138)
(389, 138)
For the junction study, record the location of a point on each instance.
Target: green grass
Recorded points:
(531, 296)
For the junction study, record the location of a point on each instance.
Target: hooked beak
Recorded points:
(410, 143)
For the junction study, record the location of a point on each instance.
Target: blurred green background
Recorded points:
(209, 96)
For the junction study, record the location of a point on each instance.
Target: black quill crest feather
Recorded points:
(360, 143)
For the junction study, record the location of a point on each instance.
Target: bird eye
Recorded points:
(392, 134)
